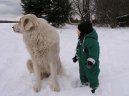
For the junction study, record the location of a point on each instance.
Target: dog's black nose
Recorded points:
(13, 27)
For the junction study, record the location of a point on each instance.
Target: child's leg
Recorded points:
(94, 82)
(83, 77)
(93, 76)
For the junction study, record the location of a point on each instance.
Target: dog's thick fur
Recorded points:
(42, 42)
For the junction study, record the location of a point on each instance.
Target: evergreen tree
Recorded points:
(55, 11)
(37, 7)
(60, 11)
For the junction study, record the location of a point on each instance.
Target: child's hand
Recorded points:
(74, 59)
(89, 65)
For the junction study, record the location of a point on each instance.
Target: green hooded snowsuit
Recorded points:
(88, 48)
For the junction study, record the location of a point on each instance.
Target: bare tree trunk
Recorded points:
(86, 9)
(82, 8)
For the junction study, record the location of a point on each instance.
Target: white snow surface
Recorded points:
(15, 80)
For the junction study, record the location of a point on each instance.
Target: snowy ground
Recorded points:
(15, 79)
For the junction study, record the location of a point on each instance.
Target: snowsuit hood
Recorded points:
(92, 35)
(85, 28)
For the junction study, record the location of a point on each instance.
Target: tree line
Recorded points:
(58, 12)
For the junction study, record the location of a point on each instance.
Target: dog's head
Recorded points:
(26, 23)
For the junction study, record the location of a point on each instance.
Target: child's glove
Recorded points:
(89, 64)
(74, 59)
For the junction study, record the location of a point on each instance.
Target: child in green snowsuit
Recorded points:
(87, 54)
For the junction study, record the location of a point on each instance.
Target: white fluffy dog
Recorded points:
(42, 42)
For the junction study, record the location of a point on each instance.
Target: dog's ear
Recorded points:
(28, 24)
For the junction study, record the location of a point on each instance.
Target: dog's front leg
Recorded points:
(37, 85)
(54, 82)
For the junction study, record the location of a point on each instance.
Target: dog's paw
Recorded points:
(55, 87)
(37, 87)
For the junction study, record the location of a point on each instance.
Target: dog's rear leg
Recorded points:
(30, 66)
(60, 69)
(37, 71)
(54, 83)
